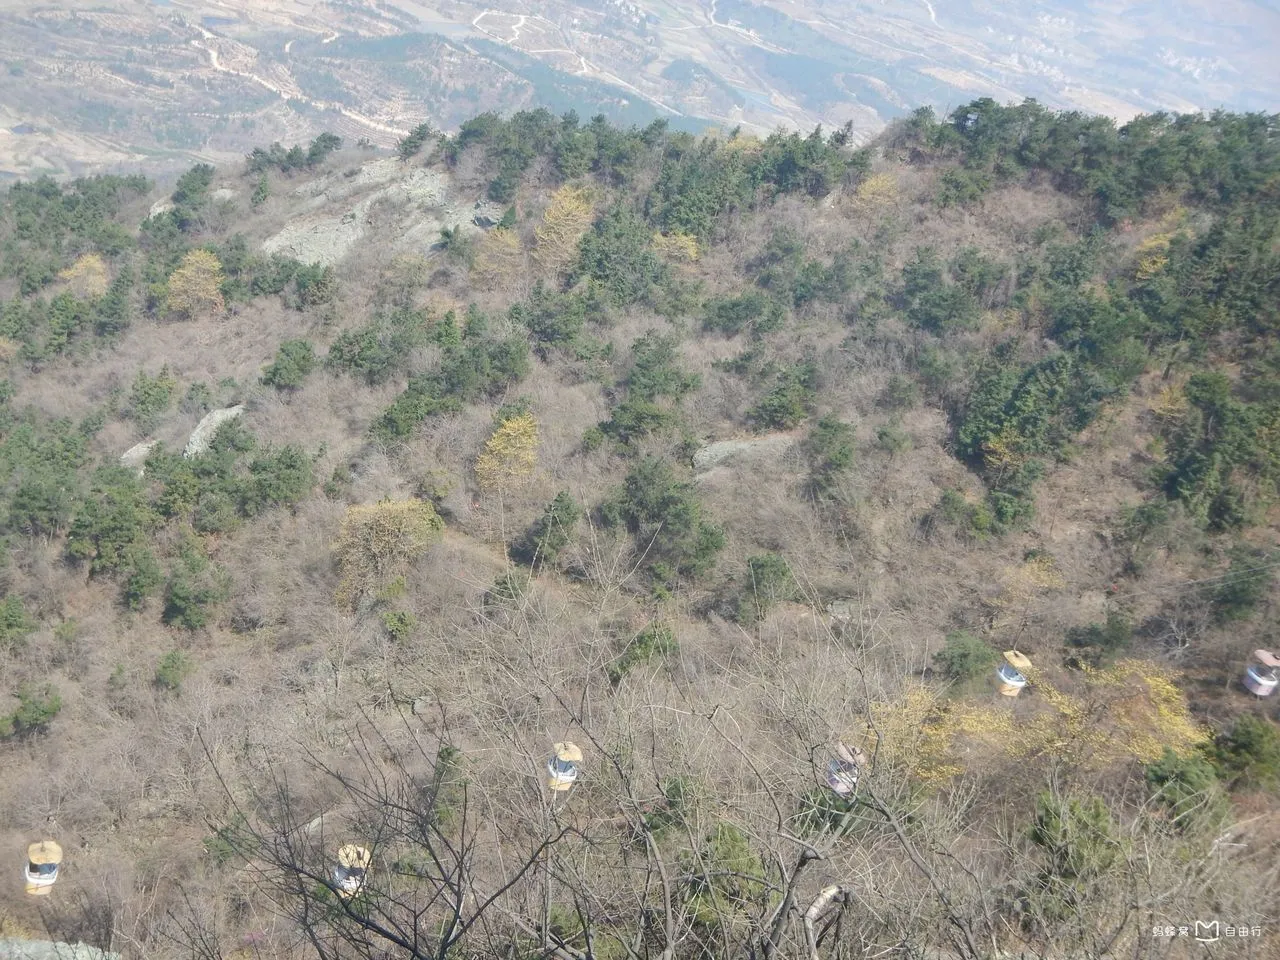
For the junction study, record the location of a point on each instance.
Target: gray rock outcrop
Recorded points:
(771, 446)
(487, 213)
(421, 200)
(842, 611)
(203, 434)
(135, 458)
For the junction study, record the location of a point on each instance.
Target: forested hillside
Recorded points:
(706, 454)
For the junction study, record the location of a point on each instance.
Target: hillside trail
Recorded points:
(347, 112)
(586, 67)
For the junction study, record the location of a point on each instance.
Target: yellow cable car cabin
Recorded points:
(352, 869)
(562, 768)
(43, 860)
(1012, 673)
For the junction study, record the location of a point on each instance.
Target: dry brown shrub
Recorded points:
(406, 274)
(500, 262)
(377, 539)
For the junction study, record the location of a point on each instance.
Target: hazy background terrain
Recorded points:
(717, 455)
(88, 84)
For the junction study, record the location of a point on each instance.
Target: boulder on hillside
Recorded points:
(842, 611)
(771, 446)
(203, 434)
(486, 213)
(135, 457)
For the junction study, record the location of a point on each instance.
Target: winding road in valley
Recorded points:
(347, 112)
(586, 67)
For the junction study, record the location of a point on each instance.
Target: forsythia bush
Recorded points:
(195, 287)
(879, 190)
(677, 246)
(87, 277)
(744, 143)
(1132, 710)
(1003, 451)
(379, 539)
(1152, 253)
(1171, 403)
(510, 454)
(1021, 584)
(563, 224)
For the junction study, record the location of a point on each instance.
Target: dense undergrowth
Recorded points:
(1163, 278)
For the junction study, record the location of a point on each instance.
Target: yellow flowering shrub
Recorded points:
(564, 222)
(679, 247)
(744, 143)
(195, 287)
(1171, 403)
(1129, 711)
(1003, 451)
(878, 190)
(1151, 256)
(1021, 584)
(510, 454)
(87, 277)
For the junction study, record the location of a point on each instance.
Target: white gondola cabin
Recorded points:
(352, 869)
(43, 860)
(562, 768)
(844, 770)
(1012, 673)
(1261, 677)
